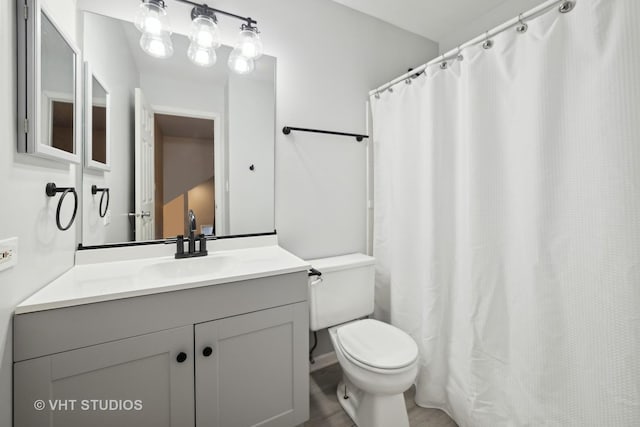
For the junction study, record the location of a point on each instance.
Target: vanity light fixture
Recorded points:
(247, 50)
(204, 38)
(152, 21)
(240, 64)
(249, 44)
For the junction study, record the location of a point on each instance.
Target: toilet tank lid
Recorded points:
(341, 262)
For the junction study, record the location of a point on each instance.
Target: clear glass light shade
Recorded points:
(202, 56)
(204, 32)
(249, 44)
(239, 63)
(152, 18)
(158, 46)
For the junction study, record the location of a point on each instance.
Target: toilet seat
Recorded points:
(377, 345)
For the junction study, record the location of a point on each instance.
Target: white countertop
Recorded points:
(90, 283)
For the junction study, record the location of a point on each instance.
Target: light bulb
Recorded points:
(204, 32)
(152, 17)
(202, 56)
(240, 64)
(249, 43)
(158, 46)
(152, 25)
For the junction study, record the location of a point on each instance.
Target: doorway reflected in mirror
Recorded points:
(181, 142)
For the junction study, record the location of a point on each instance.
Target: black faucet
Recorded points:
(202, 250)
(192, 230)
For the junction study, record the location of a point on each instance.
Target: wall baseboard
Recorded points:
(323, 360)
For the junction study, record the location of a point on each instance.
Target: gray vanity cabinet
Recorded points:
(248, 369)
(142, 369)
(227, 355)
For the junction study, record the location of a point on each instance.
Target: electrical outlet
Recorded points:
(107, 217)
(8, 253)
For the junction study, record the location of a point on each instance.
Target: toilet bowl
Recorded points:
(379, 363)
(378, 360)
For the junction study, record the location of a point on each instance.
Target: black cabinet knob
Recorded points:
(207, 351)
(182, 356)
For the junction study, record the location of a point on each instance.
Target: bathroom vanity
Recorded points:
(131, 336)
(220, 340)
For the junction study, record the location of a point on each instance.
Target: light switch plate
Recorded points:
(8, 253)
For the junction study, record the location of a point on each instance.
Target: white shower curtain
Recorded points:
(507, 223)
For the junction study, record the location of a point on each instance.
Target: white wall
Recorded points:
(193, 154)
(25, 210)
(163, 91)
(250, 136)
(116, 68)
(498, 15)
(329, 57)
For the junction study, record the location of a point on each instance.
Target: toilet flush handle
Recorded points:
(316, 273)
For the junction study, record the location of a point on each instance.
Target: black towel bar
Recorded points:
(359, 137)
(51, 190)
(94, 190)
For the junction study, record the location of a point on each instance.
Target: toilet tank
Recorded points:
(346, 291)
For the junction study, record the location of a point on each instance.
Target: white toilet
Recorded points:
(378, 360)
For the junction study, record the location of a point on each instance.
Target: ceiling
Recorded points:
(429, 18)
(185, 127)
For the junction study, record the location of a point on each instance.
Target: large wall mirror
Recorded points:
(178, 138)
(49, 87)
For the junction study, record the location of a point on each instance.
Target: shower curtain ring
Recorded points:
(443, 64)
(488, 43)
(522, 27)
(377, 95)
(567, 6)
(460, 55)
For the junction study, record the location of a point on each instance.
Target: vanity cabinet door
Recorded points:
(252, 369)
(136, 382)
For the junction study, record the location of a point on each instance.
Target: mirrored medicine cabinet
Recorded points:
(49, 87)
(96, 122)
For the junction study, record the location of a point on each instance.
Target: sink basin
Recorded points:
(186, 269)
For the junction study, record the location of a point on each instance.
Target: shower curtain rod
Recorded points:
(453, 53)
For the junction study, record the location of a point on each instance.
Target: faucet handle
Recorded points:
(203, 244)
(192, 222)
(179, 245)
